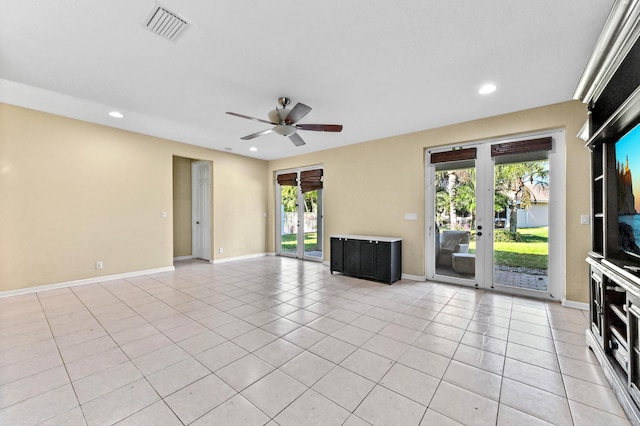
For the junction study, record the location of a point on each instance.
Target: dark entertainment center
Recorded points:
(610, 86)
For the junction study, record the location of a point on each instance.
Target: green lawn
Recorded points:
(289, 242)
(531, 252)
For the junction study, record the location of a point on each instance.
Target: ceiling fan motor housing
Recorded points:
(278, 115)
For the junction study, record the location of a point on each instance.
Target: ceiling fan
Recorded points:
(284, 121)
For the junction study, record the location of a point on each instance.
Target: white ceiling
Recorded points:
(381, 68)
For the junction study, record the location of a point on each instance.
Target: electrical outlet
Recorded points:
(220, 250)
(99, 264)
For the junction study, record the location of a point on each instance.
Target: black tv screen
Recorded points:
(628, 182)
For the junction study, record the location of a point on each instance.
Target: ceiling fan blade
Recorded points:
(255, 135)
(296, 139)
(296, 114)
(320, 127)
(235, 114)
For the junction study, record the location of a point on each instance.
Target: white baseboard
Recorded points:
(403, 277)
(576, 305)
(179, 258)
(414, 277)
(233, 259)
(47, 287)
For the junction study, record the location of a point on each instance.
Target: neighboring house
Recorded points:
(537, 214)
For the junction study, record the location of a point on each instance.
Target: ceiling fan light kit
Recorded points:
(284, 121)
(284, 130)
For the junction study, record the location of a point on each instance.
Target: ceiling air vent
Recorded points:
(165, 23)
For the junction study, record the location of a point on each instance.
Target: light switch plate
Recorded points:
(584, 219)
(411, 216)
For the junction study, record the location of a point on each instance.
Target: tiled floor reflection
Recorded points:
(283, 342)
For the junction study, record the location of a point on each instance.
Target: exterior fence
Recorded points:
(290, 222)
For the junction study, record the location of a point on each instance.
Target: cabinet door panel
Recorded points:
(633, 310)
(352, 257)
(596, 304)
(383, 261)
(368, 259)
(337, 254)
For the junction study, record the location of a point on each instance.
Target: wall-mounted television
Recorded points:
(627, 152)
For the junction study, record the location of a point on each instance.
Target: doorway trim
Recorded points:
(557, 215)
(201, 210)
(299, 235)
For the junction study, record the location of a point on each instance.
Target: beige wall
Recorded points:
(72, 193)
(370, 186)
(182, 206)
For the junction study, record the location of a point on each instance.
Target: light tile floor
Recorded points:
(282, 342)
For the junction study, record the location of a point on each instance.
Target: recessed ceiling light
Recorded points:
(487, 88)
(116, 114)
(253, 148)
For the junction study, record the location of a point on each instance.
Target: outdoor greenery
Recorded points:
(290, 199)
(515, 185)
(505, 236)
(289, 242)
(532, 251)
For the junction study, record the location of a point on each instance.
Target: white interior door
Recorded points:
(201, 210)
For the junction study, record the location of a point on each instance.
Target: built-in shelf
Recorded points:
(619, 311)
(613, 333)
(620, 334)
(610, 87)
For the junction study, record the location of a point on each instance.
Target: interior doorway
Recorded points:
(192, 203)
(201, 210)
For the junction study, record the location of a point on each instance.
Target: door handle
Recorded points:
(197, 223)
(479, 234)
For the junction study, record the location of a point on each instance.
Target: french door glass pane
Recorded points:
(521, 205)
(455, 216)
(289, 220)
(312, 223)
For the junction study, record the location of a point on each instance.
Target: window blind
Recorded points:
(288, 179)
(310, 180)
(453, 155)
(521, 147)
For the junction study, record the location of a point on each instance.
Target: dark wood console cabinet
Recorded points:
(374, 258)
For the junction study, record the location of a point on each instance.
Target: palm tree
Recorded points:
(455, 193)
(517, 182)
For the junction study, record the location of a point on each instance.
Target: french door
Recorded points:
(299, 223)
(490, 209)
